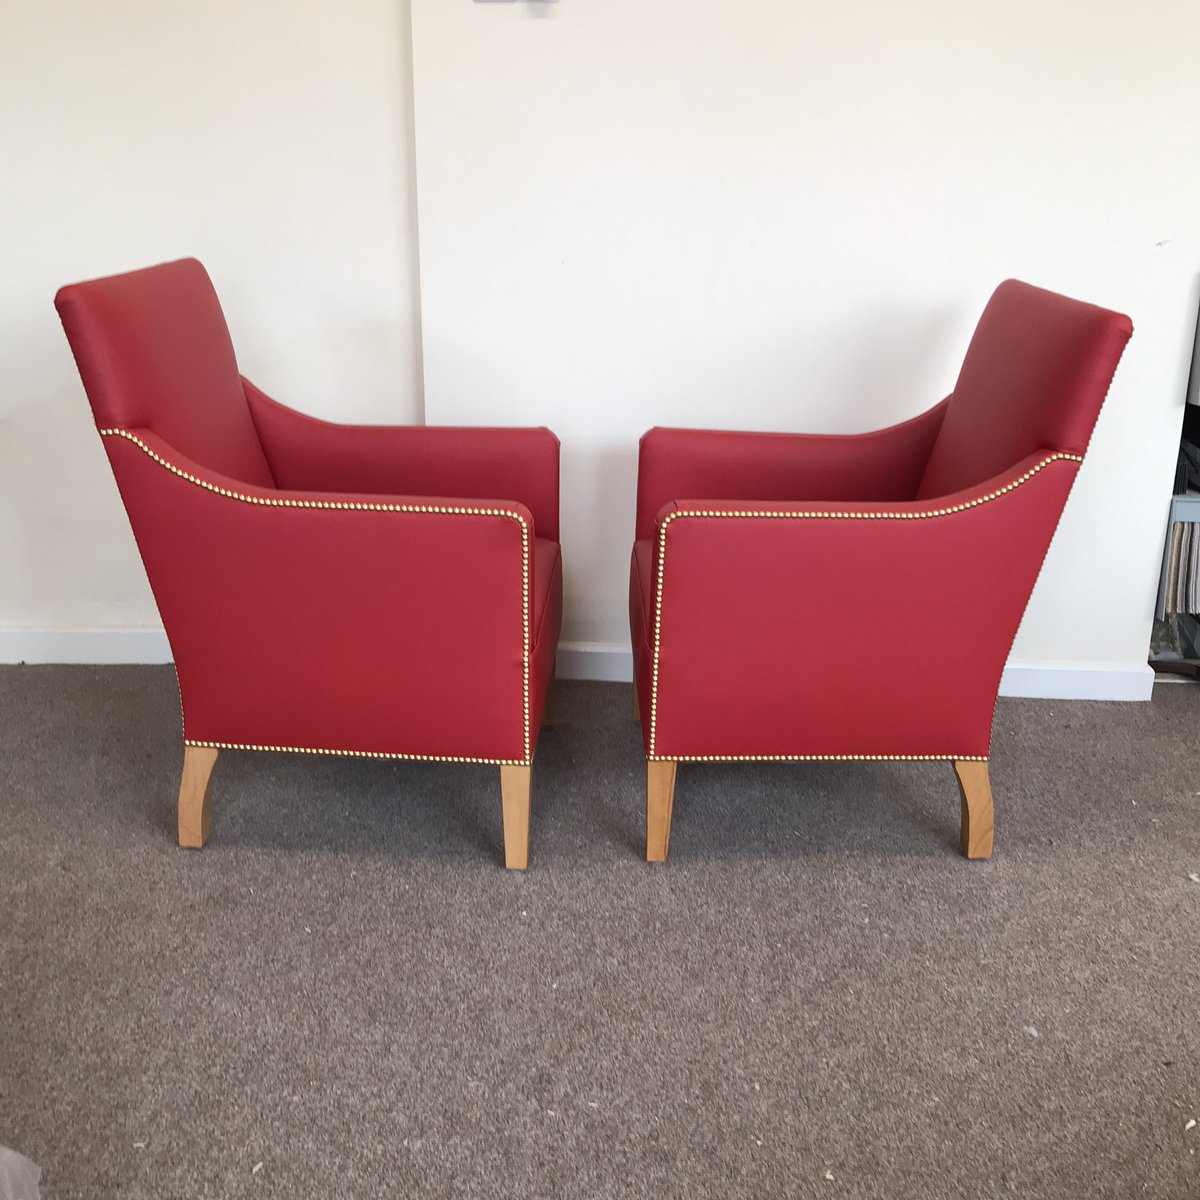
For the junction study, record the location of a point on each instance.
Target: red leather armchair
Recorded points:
(760, 559)
(382, 592)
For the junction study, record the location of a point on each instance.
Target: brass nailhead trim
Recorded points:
(444, 509)
(451, 758)
(790, 514)
(825, 758)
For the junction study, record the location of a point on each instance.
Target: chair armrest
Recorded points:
(844, 630)
(335, 621)
(413, 460)
(886, 464)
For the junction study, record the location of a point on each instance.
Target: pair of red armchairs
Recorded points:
(397, 592)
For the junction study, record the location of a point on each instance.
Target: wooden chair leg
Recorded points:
(515, 783)
(195, 816)
(976, 791)
(637, 708)
(660, 795)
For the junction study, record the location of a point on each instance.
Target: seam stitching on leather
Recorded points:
(790, 514)
(444, 509)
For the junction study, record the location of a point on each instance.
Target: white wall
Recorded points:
(760, 215)
(272, 140)
(775, 215)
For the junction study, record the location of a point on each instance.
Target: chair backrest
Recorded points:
(154, 353)
(1035, 376)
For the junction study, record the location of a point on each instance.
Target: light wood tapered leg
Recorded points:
(515, 784)
(195, 816)
(660, 796)
(637, 708)
(976, 791)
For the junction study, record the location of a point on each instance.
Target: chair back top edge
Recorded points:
(1036, 373)
(154, 352)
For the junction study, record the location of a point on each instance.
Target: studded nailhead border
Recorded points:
(452, 758)
(801, 515)
(444, 509)
(827, 758)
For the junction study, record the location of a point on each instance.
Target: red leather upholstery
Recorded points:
(305, 452)
(383, 599)
(761, 579)
(1035, 376)
(154, 353)
(885, 464)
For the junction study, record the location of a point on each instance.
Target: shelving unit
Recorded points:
(1181, 630)
(1184, 508)
(1176, 629)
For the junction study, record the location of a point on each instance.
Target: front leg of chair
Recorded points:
(660, 796)
(515, 783)
(976, 791)
(195, 816)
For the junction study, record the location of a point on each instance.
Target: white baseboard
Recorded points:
(84, 646)
(1040, 680)
(1078, 681)
(595, 660)
(576, 660)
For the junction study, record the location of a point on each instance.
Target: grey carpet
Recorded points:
(347, 988)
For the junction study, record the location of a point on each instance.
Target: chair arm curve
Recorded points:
(309, 453)
(343, 618)
(884, 464)
(769, 601)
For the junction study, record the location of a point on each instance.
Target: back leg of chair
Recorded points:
(660, 796)
(976, 791)
(637, 708)
(515, 785)
(195, 815)
(551, 702)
